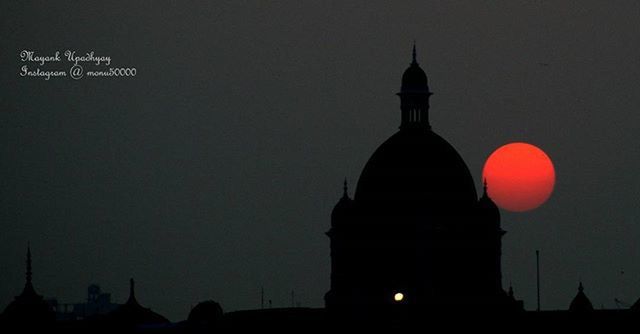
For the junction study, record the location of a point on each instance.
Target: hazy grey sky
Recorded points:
(213, 172)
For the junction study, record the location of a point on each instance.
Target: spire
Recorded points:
(414, 53)
(484, 184)
(132, 313)
(345, 189)
(29, 273)
(132, 292)
(28, 285)
(580, 287)
(511, 290)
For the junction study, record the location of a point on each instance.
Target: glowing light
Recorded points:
(520, 177)
(398, 297)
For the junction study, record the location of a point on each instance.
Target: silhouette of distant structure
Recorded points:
(580, 302)
(132, 314)
(97, 304)
(205, 316)
(415, 236)
(29, 309)
(414, 243)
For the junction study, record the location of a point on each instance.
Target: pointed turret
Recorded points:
(341, 217)
(414, 96)
(488, 209)
(133, 314)
(29, 308)
(343, 208)
(581, 302)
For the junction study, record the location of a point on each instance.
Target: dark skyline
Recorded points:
(213, 172)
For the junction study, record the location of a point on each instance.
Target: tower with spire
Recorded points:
(486, 259)
(342, 214)
(29, 309)
(414, 96)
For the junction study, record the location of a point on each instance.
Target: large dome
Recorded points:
(418, 172)
(415, 227)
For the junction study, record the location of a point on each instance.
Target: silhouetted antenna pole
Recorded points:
(621, 303)
(538, 276)
(262, 297)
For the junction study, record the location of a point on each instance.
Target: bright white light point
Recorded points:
(398, 297)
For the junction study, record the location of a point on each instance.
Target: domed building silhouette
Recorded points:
(415, 236)
(205, 315)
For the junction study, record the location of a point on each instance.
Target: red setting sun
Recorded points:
(520, 177)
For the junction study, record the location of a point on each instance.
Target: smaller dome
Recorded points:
(414, 80)
(488, 209)
(206, 313)
(580, 302)
(343, 207)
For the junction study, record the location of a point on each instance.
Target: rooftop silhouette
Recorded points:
(415, 246)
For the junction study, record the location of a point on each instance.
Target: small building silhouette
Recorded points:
(580, 302)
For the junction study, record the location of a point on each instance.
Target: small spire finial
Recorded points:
(484, 185)
(29, 273)
(580, 287)
(132, 292)
(414, 53)
(345, 188)
(510, 290)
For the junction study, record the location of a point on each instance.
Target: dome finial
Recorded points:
(414, 53)
(29, 273)
(345, 188)
(132, 291)
(580, 287)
